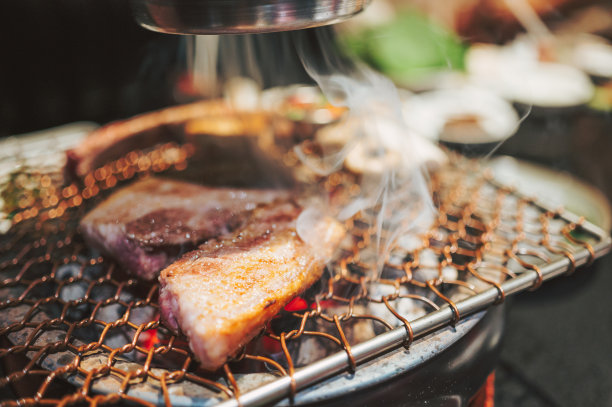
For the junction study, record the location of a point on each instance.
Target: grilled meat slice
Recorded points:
(116, 139)
(230, 147)
(146, 225)
(222, 294)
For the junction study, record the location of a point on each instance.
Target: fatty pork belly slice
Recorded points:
(222, 294)
(146, 225)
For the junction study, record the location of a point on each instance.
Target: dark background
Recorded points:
(70, 60)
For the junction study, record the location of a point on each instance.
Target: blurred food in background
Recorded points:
(405, 45)
(494, 21)
(602, 101)
(520, 77)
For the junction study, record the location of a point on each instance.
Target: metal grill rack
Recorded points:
(69, 315)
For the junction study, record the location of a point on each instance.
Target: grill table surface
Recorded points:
(582, 261)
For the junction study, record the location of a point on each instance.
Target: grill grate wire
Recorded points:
(71, 319)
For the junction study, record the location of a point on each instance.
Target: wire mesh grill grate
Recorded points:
(71, 319)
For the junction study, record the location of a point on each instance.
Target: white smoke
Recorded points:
(371, 140)
(377, 143)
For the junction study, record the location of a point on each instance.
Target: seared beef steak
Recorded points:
(147, 224)
(222, 294)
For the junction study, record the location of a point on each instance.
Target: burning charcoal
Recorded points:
(392, 273)
(284, 323)
(73, 291)
(142, 315)
(294, 347)
(94, 271)
(407, 307)
(410, 242)
(110, 313)
(119, 336)
(450, 273)
(428, 266)
(313, 348)
(67, 271)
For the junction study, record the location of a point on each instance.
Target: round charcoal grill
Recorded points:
(72, 319)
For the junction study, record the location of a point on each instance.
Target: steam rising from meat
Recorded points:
(378, 143)
(267, 59)
(374, 140)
